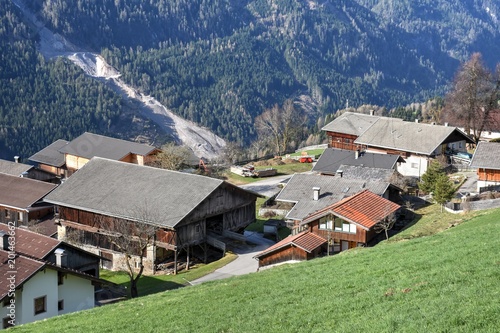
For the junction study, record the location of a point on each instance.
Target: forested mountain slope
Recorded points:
(221, 63)
(41, 101)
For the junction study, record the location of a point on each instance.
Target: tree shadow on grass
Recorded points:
(154, 284)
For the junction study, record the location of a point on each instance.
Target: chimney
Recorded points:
(340, 172)
(5, 240)
(61, 258)
(371, 112)
(316, 193)
(356, 154)
(446, 124)
(16, 159)
(416, 120)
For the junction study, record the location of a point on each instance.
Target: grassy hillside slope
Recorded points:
(445, 282)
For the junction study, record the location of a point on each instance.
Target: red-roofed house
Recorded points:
(37, 246)
(43, 277)
(303, 246)
(34, 290)
(350, 222)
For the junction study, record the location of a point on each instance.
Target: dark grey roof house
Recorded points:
(417, 143)
(14, 168)
(331, 160)
(186, 208)
(62, 158)
(312, 192)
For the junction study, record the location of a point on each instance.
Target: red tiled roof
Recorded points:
(364, 208)
(31, 244)
(305, 240)
(23, 269)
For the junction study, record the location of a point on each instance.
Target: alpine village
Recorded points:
(250, 166)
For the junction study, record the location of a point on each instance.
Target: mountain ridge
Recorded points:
(220, 63)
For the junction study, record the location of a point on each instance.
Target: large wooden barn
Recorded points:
(185, 209)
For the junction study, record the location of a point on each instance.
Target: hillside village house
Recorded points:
(14, 168)
(343, 225)
(50, 159)
(310, 193)
(46, 282)
(350, 222)
(417, 143)
(186, 209)
(66, 157)
(486, 160)
(302, 246)
(333, 161)
(48, 249)
(21, 199)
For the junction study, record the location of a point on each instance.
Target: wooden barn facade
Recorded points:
(185, 209)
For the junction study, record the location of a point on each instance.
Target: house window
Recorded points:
(60, 278)
(40, 305)
(60, 305)
(7, 322)
(338, 225)
(344, 226)
(6, 301)
(460, 144)
(197, 228)
(325, 224)
(414, 165)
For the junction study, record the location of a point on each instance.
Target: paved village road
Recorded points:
(245, 263)
(267, 187)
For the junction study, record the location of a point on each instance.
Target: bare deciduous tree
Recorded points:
(280, 125)
(131, 239)
(172, 157)
(474, 96)
(385, 225)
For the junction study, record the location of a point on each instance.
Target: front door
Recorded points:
(344, 245)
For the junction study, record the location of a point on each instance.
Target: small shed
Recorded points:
(303, 246)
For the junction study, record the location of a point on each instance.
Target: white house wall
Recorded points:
(43, 283)
(77, 293)
(415, 166)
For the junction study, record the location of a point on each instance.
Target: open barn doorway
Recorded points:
(215, 224)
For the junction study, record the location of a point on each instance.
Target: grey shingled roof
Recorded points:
(366, 173)
(332, 189)
(22, 193)
(135, 192)
(406, 136)
(487, 156)
(331, 160)
(89, 145)
(51, 155)
(351, 123)
(13, 168)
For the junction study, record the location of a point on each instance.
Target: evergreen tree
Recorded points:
(431, 176)
(443, 190)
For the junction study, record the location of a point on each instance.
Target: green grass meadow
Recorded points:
(445, 282)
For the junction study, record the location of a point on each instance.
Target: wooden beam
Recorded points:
(175, 262)
(187, 258)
